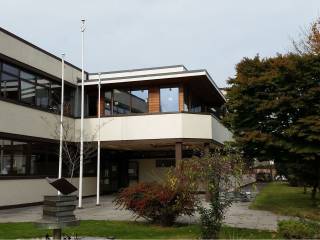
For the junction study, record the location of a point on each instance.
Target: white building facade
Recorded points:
(150, 119)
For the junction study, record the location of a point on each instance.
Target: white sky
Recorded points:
(128, 34)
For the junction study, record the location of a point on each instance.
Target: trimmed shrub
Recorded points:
(293, 229)
(156, 203)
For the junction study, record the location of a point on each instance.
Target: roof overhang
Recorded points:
(199, 80)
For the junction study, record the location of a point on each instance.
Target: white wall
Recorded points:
(36, 123)
(149, 173)
(16, 119)
(155, 126)
(25, 53)
(22, 191)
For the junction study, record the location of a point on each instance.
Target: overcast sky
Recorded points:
(128, 34)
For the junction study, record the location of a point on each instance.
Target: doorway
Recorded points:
(114, 175)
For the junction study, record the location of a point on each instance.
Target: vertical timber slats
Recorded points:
(154, 99)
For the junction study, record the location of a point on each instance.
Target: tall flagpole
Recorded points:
(61, 117)
(98, 154)
(82, 113)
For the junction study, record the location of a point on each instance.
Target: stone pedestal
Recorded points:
(58, 213)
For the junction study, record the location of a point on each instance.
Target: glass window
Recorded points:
(68, 100)
(92, 105)
(107, 104)
(165, 163)
(186, 99)
(9, 86)
(139, 101)
(43, 82)
(195, 105)
(19, 163)
(27, 92)
(10, 69)
(5, 157)
(42, 94)
(27, 76)
(169, 99)
(55, 99)
(121, 102)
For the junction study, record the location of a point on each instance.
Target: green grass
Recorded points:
(129, 230)
(282, 199)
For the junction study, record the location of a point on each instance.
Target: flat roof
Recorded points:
(38, 48)
(149, 74)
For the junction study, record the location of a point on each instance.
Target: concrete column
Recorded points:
(178, 153)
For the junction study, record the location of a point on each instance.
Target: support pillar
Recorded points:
(178, 153)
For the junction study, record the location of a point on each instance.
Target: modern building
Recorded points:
(150, 119)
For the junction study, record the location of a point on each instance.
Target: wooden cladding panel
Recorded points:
(102, 102)
(181, 98)
(154, 99)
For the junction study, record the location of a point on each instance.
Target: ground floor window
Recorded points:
(36, 159)
(165, 163)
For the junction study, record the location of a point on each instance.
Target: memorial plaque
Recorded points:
(62, 185)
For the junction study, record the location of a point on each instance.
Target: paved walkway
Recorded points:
(238, 215)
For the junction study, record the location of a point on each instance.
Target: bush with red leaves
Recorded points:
(157, 203)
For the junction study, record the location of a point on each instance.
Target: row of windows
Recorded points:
(21, 158)
(23, 86)
(118, 101)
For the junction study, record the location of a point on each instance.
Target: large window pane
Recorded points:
(10, 69)
(27, 76)
(42, 94)
(43, 82)
(68, 100)
(139, 101)
(169, 99)
(9, 86)
(27, 92)
(121, 102)
(19, 163)
(92, 104)
(5, 157)
(195, 105)
(107, 104)
(55, 99)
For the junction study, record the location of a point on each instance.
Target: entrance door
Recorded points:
(114, 175)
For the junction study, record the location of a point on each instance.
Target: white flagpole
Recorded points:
(82, 113)
(61, 117)
(98, 154)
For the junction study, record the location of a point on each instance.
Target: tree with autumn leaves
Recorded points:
(274, 109)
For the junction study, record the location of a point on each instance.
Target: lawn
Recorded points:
(129, 230)
(282, 199)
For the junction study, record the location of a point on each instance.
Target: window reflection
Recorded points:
(108, 103)
(169, 99)
(42, 94)
(18, 84)
(27, 92)
(139, 101)
(121, 102)
(55, 99)
(9, 86)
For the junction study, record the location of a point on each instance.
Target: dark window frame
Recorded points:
(35, 83)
